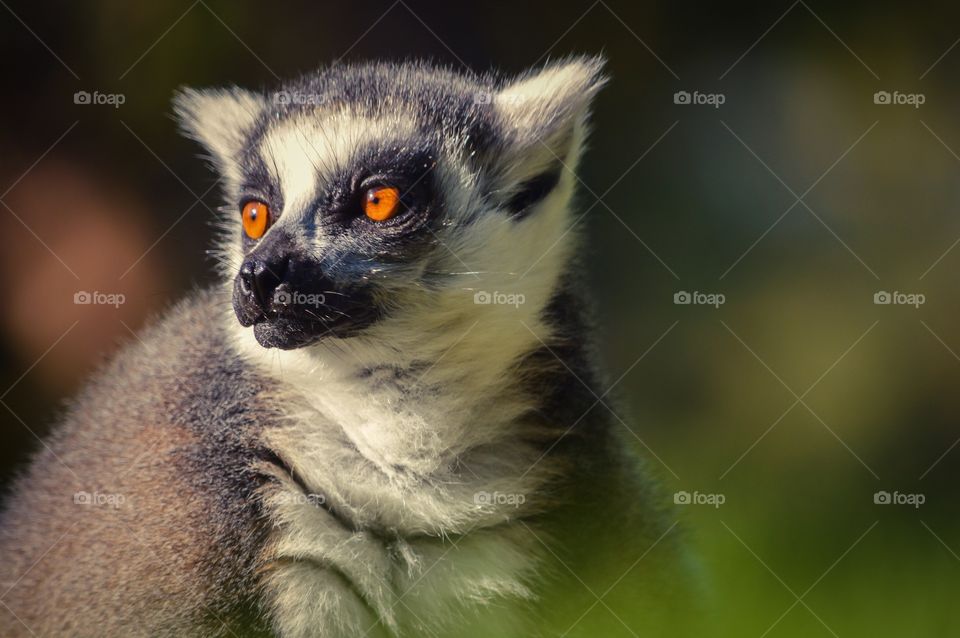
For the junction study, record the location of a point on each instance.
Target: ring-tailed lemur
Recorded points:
(388, 421)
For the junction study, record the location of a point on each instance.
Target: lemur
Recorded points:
(388, 420)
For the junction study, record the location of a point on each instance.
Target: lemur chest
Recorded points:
(359, 547)
(325, 579)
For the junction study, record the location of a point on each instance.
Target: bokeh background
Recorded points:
(798, 199)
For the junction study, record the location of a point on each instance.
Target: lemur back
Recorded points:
(388, 420)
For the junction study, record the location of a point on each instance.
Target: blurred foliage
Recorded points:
(692, 200)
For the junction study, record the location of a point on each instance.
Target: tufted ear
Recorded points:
(221, 120)
(541, 121)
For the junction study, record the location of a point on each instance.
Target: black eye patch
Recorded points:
(409, 170)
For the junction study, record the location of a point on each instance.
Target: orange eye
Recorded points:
(256, 218)
(381, 203)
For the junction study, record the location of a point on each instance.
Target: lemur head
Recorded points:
(363, 198)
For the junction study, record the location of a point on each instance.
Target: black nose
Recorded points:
(259, 279)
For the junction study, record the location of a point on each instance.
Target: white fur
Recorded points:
(220, 119)
(306, 151)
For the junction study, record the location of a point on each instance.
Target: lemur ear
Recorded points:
(541, 119)
(221, 120)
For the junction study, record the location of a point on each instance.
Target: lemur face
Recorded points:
(364, 195)
(316, 253)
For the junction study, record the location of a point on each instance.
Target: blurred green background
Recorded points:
(798, 199)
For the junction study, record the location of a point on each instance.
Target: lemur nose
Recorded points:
(260, 279)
